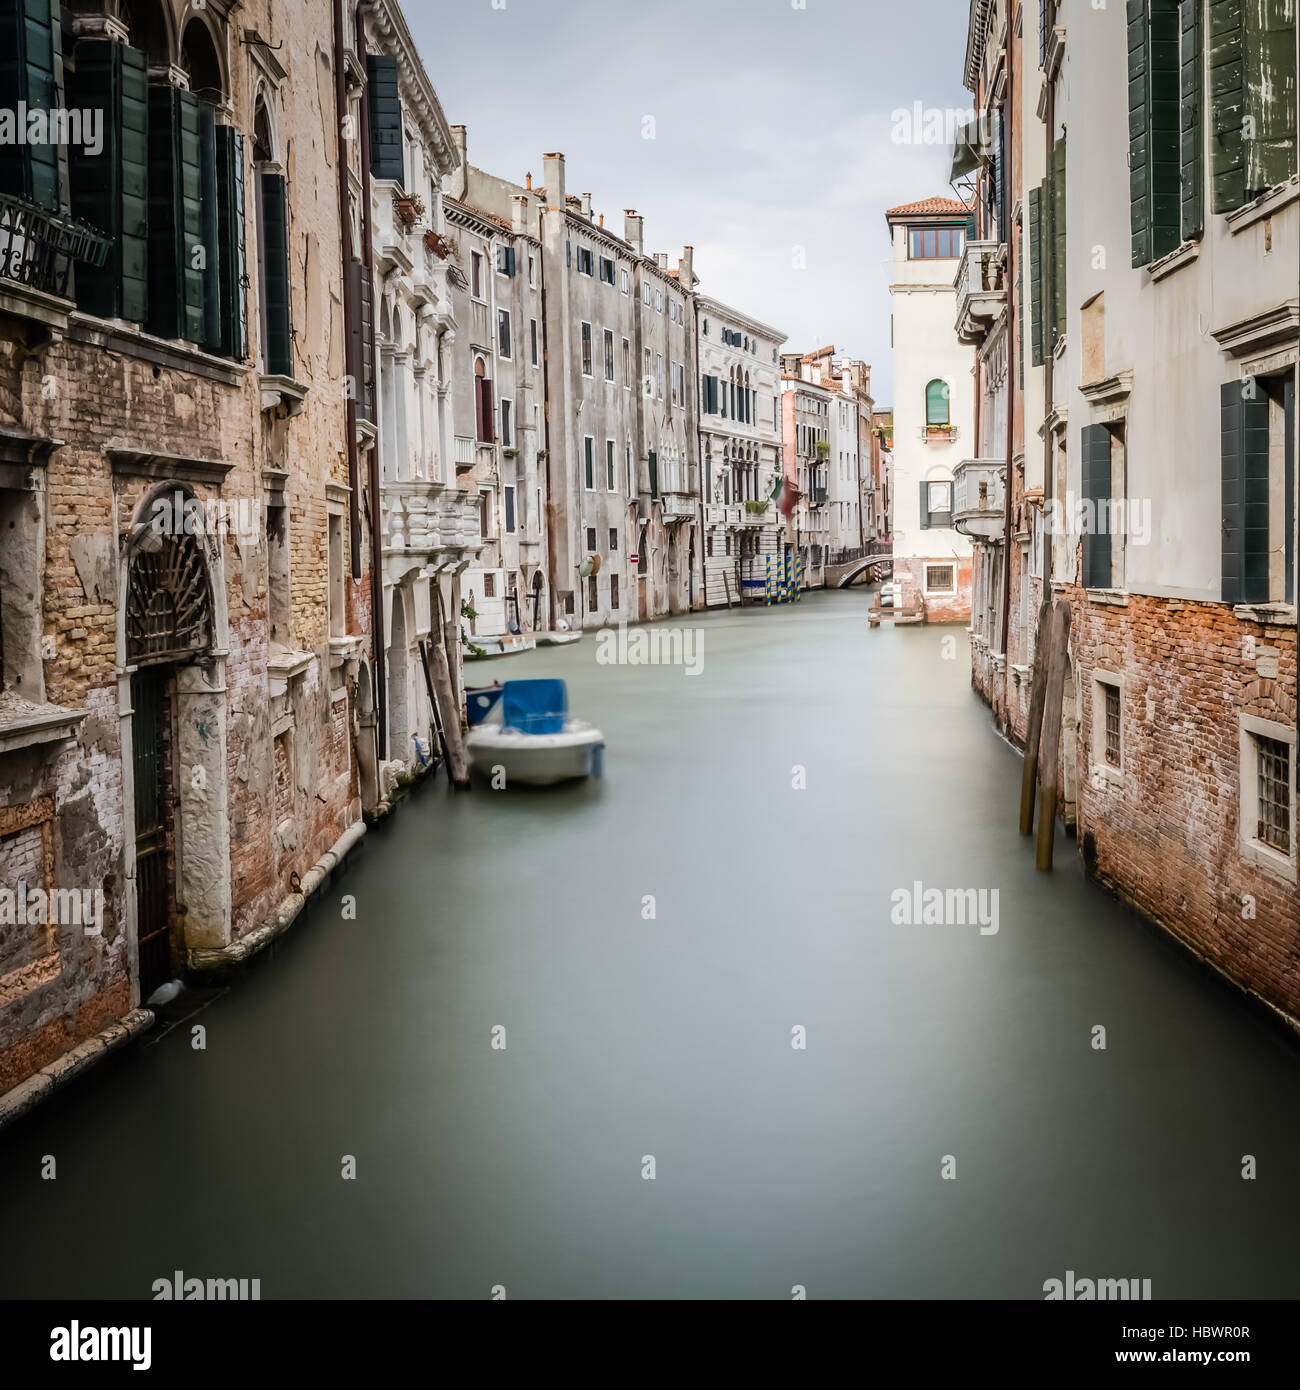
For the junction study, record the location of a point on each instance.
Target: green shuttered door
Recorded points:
(29, 49)
(1243, 424)
(110, 189)
(277, 351)
(1096, 490)
(1035, 248)
(384, 107)
(1227, 105)
(1191, 88)
(177, 250)
(233, 257)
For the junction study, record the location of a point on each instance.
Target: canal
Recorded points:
(770, 806)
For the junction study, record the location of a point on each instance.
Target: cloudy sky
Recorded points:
(772, 130)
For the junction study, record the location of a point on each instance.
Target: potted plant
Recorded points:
(435, 244)
(409, 208)
(542, 456)
(508, 453)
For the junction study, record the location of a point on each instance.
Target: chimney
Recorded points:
(553, 173)
(528, 181)
(518, 212)
(685, 275)
(633, 229)
(586, 206)
(661, 259)
(460, 175)
(602, 219)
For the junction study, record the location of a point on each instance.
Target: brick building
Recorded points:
(184, 581)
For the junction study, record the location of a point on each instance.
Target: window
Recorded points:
(609, 354)
(645, 293)
(648, 380)
(532, 341)
(503, 332)
(659, 375)
(613, 539)
(509, 495)
(278, 604)
(476, 274)
(1106, 754)
(627, 364)
(591, 540)
(593, 598)
(611, 482)
(623, 281)
(489, 582)
(589, 462)
(936, 405)
(936, 504)
(606, 270)
(484, 514)
(613, 591)
(939, 580)
(631, 481)
(935, 243)
(1267, 814)
(586, 349)
(586, 262)
(532, 271)
(484, 413)
(505, 260)
(1258, 489)
(507, 425)
(659, 301)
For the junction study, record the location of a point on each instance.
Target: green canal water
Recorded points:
(628, 1036)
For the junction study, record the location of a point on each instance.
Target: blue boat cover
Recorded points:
(535, 707)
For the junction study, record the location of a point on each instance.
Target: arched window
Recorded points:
(936, 403)
(273, 248)
(200, 63)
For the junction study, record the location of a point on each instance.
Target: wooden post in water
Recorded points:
(443, 692)
(1051, 742)
(1029, 773)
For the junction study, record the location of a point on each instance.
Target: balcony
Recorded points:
(979, 498)
(37, 248)
(981, 289)
(817, 497)
(677, 506)
(427, 523)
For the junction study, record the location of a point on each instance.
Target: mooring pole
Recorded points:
(1029, 773)
(1051, 742)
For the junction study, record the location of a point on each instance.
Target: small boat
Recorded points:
(530, 735)
(481, 648)
(557, 639)
(480, 701)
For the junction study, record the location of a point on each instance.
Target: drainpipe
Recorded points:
(546, 424)
(376, 509)
(1007, 486)
(345, 239)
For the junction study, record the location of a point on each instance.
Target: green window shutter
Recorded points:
(110, 189)
(1020, 311)
(1096, 489)
(654, 474)
(510, 260)
(1139, 133)
(1226, 45)
(209, 221)
(1165, 79)
(1191, 96)
(1270, 93)
(1243, 427)
(1035, 250)
(1058, 239)
(1047, 255)
(277, 351)
(925, 508)
(384, 110)
(232, 268)
(29, 62)
(1288, 482)
(175, 216)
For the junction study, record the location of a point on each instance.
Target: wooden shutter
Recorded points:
(209, 221)
(384, 109)
(1000, 177)
(1270, 66)
(30, 52)
(1165, 134)
(111, 189)
(366, 387)
(232, 268)
(1288, 482)
(1190, 131)
(1226, 45)
(1020, 314)
(277, 352)
(1047, 255)
(175, 216)
(1035, 249)
(1096, 489)
(489, 434)
(1243, 428)
(654, 474)
(1058, 239)
(1139, 133)
(925, 508)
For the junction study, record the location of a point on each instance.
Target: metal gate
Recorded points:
(152, 814)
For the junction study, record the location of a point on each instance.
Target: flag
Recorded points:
(783, 494)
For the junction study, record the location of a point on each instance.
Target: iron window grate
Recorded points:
(1274, 787)
(1112, 724)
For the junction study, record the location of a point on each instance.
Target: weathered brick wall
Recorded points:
(910, 572)
(1167, 839)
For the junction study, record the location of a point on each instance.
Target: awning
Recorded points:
(969, 149)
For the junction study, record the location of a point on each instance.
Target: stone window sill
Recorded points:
(283, 391)
(1116, 598)
(1268, 614)
(1175, 260)
(1264, 206)
(1104, 777)
(1270, 860)
(24, 724)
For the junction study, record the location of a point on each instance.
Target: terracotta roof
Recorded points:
(929, 205)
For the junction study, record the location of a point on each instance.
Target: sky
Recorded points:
(772, 129)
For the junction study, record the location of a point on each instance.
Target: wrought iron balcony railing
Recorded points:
(37, 246)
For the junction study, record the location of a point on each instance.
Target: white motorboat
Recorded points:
(557, 639)
(530, 736)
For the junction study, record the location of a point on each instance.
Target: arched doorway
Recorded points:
(539, 586)
(168, 624)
